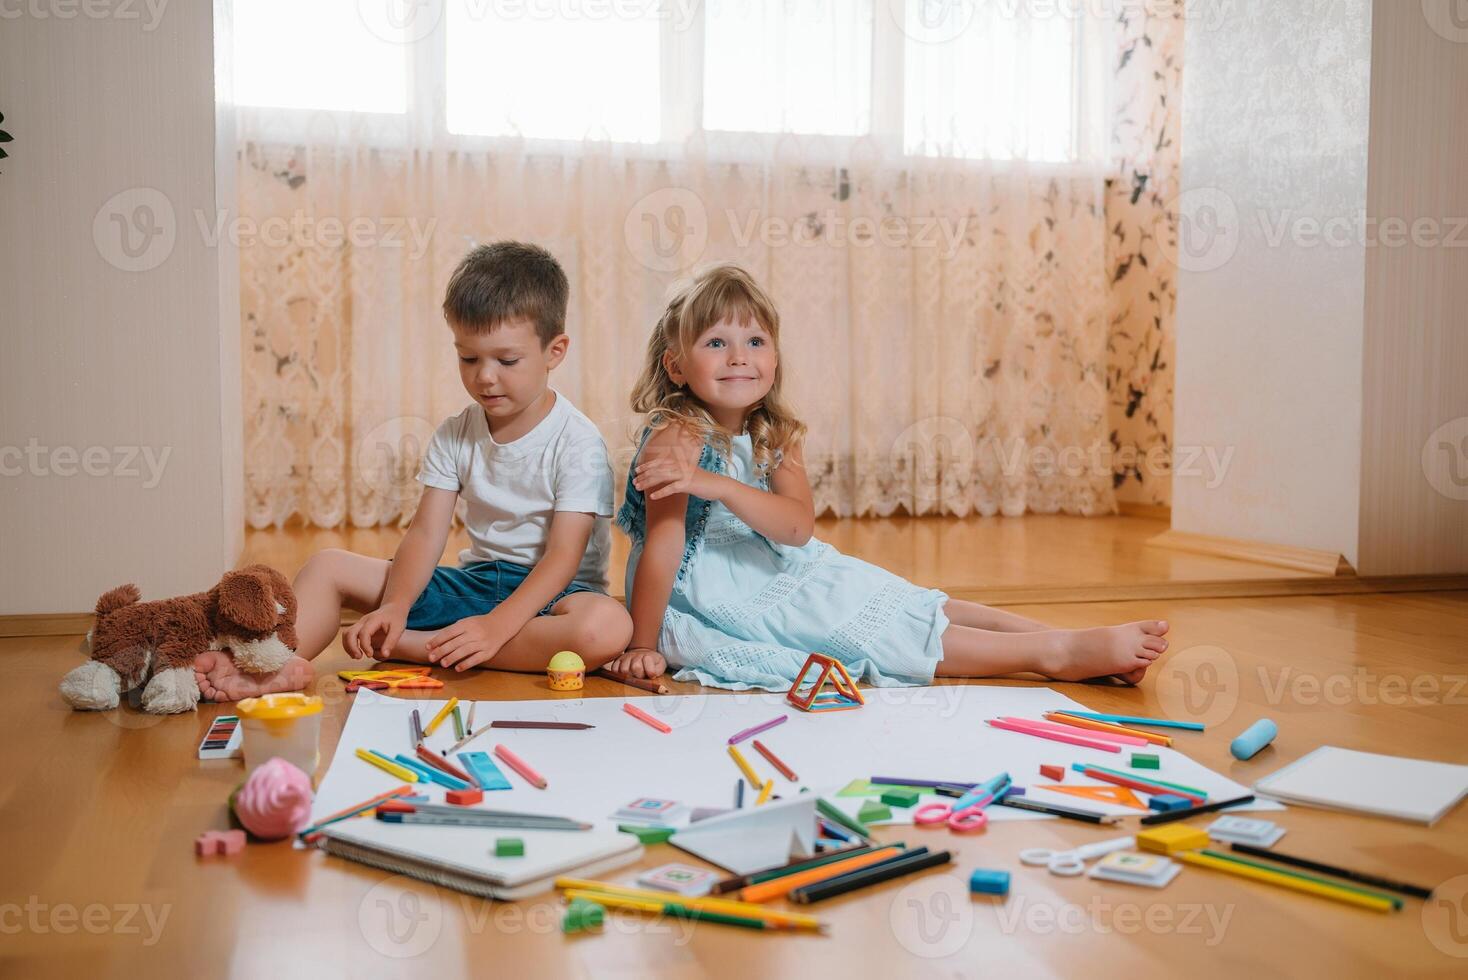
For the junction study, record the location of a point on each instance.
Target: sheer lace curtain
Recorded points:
(919, 185)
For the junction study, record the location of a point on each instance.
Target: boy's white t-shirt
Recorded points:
(512, 489)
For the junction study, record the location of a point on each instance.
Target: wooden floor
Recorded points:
(1046, 557)
(98, 811)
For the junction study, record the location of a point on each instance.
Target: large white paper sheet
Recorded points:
(918, 733)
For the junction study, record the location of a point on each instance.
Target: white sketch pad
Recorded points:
(917, 733)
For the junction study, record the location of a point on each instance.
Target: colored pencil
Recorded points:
(309, 832)
(458, 723)
(1290, 872)
(1191, 726)
(779, 887)
(739, 794)
(738, 737)
(1141, 784)
(1416, 891)
(836, 816)
(442, 714)
(1089, 743)
(713, 904)
(1056, 810)
(467, 818)
(1171, 815)
(774, 760)
(637, 682)
(804, 864)
(918, 860)
(454, 749)
(1182, 789)
(473, 705)
(1284, 881)
(1103, 726)
(553, 726)
(927, 783)
(684, 908)
(514, 762)
(417, 727)
(391, 768)
(646, 718)
(430, 774)
(744, 767)
(764, 793)
(439, 762)
(1055, 726)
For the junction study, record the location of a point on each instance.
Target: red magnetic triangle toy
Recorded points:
(844, 697)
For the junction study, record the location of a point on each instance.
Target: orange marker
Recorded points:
(516, 763)
(643, 716)
(1101, 726)
(778, 887)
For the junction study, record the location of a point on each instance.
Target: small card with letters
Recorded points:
(684, 879)
(1245, 830)
(656, 813)
(1151, 870)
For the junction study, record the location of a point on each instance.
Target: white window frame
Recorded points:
(681, 114)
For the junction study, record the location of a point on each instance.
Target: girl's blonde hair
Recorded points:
(716, 293)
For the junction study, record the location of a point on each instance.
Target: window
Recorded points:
(967, 78)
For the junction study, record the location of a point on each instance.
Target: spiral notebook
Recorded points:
(1384, 785)
(463, 858)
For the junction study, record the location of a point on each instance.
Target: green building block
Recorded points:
(900, 797)
(648, 835)
(1141, 760)
(509, 847)
(582, 914)
(872, 810)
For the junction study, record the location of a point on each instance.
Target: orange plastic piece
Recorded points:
(1119, 795)
(844, 697)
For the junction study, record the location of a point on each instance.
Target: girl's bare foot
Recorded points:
(1126, 651)
(220, 680)
(640, 663)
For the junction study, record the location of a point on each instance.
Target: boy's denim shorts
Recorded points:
(457, 593)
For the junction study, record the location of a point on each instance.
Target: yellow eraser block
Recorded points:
(1172, 837)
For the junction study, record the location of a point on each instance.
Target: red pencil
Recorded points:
(775, 761)
(516, 763)
(643, 716)
(439, 762)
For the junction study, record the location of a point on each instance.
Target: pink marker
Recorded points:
(751, 732)
(1025, 729)
(1053, 726)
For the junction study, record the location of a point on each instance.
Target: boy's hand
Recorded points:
(668, 473)
(467, 643)
(361, 638)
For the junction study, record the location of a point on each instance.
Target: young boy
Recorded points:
(537, 481)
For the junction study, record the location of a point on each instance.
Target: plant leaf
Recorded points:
(4, 136)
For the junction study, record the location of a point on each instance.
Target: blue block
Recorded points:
(985, 882)
(1166, 802)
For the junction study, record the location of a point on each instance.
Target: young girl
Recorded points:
(724, 579)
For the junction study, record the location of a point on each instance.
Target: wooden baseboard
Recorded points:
(1156, 512)
(1322, 563)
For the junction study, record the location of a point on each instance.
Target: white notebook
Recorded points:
(1384, 785)
(463, 858)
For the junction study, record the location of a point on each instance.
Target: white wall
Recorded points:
(1275, 118)
(119, 390)
(1315, 349)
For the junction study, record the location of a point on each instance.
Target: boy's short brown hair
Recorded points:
(506, 280)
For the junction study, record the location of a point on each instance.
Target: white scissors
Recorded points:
(1069, 864)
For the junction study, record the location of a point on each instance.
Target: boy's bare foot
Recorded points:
(220, 680)
(1125, 651)
(640, 663)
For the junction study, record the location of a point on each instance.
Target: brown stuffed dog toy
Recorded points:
(251, 613)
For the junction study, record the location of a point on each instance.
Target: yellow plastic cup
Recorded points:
(287, 726)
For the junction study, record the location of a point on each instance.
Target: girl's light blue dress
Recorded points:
(746, 612)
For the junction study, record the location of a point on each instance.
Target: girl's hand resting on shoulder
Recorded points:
(640, 662)
(662, 473)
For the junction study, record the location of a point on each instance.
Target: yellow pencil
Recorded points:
(1101, 726)
(1286, 881)
(585, 888)
(744, 767)
(401, 772)
(442, 714)
(764, 792)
